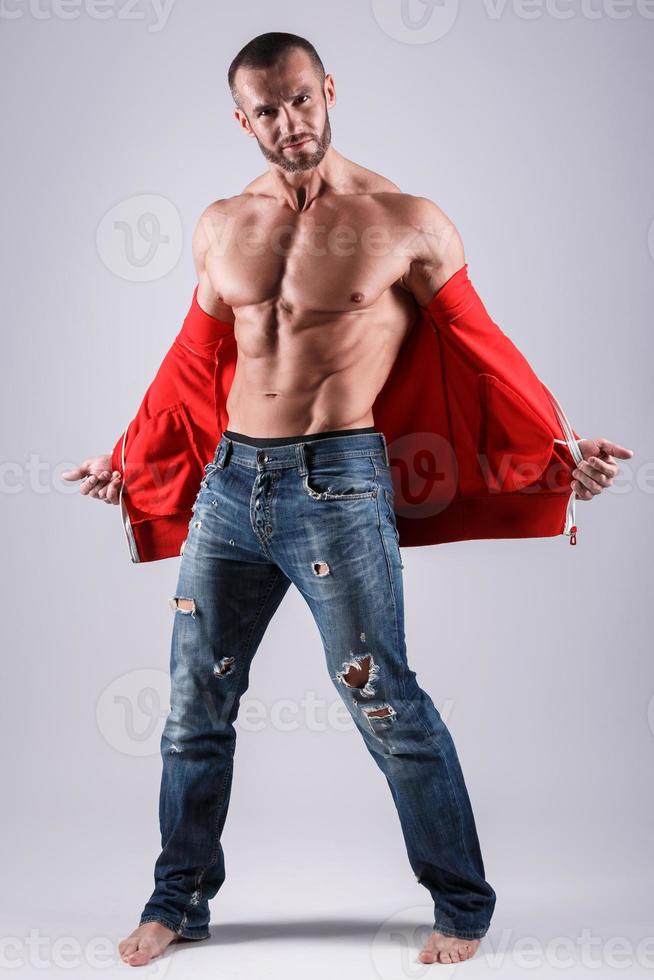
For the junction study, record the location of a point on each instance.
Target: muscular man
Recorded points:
(320, 265)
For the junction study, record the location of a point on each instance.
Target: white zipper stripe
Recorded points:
(127, 525)
(570, 440)
(576, 453)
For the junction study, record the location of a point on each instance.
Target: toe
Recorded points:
(141, 956)
(127, 947)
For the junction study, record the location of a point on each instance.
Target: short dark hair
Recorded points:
(266, 49)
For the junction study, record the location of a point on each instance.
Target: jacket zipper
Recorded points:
(127, 524)
(576, 453)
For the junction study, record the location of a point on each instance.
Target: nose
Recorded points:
(294, 120)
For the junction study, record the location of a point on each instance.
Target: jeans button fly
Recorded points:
(261, 456)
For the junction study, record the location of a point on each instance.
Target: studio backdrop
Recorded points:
(528, 124)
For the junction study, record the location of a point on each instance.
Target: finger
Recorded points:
(103, 492)
(105, 476)
(603, 466)
(587, 481)
(113, 490)
(101, 483)
(614, 449)
(581, 492)
(88, 483)
(92, 484)
(595, 474)
(77, 474)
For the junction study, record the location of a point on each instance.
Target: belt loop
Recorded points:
(383, 438)
(301, 458)
(221, 462)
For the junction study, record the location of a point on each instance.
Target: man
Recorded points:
(299, 490)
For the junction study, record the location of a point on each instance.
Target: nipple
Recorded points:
(356, 297)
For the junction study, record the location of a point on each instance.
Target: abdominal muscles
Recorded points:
(309, 372)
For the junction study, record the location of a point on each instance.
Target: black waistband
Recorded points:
(268, 441)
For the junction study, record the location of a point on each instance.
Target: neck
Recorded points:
(299, 190)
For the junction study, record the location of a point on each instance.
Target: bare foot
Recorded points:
(447, 949)
(145, 943)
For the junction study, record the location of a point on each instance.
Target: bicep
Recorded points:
(436, 250)
(436, 239)
(207, 232)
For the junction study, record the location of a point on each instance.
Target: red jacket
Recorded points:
(478, 445)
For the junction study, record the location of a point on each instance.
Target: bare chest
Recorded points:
(325, 261)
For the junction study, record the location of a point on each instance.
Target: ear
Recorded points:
(329, 89)
(242, 120)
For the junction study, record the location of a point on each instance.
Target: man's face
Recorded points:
(285, 106)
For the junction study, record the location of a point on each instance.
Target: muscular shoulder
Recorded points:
(433, 244)
(212, 219)
(210, 226)
(420, 213)
(366, 181)
(435, 239)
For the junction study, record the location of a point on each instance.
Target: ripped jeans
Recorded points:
(318, 515)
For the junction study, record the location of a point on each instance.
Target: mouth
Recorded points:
(299, 145)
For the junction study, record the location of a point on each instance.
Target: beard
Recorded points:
(302, 159)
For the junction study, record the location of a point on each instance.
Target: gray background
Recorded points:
(532, 131)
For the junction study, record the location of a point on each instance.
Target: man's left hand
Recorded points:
(598, 470)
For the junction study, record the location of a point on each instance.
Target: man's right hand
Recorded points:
(97, 479)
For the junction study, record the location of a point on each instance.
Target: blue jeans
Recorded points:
(319, 515)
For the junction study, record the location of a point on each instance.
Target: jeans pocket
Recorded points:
(389, 512)
(212, 473)
(348, 478)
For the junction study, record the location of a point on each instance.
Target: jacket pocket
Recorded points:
(163, 463)
(515, 445)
